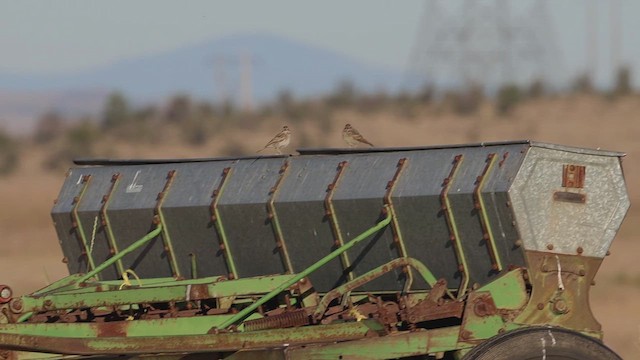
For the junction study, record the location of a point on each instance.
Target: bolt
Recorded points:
(579, 250)
(518, 243)
(560, 307)
(465, 334)
(581, 272)
(608, 253)
(65, 260)
(16, 305)
(47, 304)
(550, 246)
(540, 306)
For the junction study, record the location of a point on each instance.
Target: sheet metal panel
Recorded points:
(358, 197)
(243, 212)
(187, 213)
(131, 212)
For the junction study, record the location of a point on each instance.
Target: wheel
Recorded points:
(548, 343)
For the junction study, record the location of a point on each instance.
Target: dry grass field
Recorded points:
(30, 256)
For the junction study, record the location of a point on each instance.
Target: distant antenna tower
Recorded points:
(238, 68)
(484, 42)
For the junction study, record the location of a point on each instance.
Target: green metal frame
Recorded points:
(347, 287)
(453, 228)
(249, 309)
(333, 219)
(86, 180)
(484, 217)
(273, 218)
(168, 246)
(215, 218)
(395, 226)
(106, 223)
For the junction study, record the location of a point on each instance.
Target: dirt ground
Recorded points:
(30, 256)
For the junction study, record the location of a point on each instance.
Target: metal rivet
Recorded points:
(550, 246)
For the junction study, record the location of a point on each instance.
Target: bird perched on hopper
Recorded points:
(281, 140)
(353, 137)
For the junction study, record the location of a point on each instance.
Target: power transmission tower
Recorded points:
(483, 42)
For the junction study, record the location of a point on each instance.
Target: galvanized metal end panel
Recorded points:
(579, 219)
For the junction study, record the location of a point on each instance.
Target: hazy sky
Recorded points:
(68, 35)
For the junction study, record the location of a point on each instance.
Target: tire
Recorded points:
(549, 343)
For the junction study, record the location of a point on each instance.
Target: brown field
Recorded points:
(31, 258)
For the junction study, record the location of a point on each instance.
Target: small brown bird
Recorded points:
(353, 137)
(281, 140)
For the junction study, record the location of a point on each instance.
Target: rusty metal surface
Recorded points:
(287, 319)
(560, 291)
(403, 344)
(273, 338)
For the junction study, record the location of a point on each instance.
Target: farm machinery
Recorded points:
(482, 251)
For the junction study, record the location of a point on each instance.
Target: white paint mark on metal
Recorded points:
(544, 348)
(560, 284)
(188, 294)
(79, 180)
(134, 187)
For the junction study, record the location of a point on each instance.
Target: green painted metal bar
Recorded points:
(333, 219)
(453, 227)
(168, 246)
(86, 179)
(215, 218)
(59, 284)
(178, 291)
(399, 345)
(246, 311)
(484, 217)
(273, 217)
(106, 223)
(123, 344)
(395, 225)
(347, 287)
(122, 253)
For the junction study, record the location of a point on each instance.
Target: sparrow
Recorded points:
(279, 141)
(353, 137)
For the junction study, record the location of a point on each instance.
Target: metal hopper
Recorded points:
(467, 212)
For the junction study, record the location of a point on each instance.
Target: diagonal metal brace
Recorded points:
(251, 308)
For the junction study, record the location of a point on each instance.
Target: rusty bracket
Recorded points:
(371, 275)
(77, 224)
(451, 224)
(333, 219)
(395, 226)
(434, 306)
(487, 232)
(215, 218)
(168, 247)
(273, 218)
(106, 224)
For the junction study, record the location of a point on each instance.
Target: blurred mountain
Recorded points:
(216, 67)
